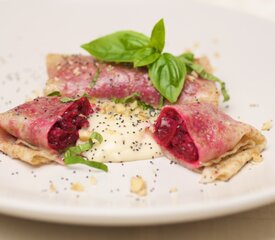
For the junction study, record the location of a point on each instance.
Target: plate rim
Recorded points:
(135, 216)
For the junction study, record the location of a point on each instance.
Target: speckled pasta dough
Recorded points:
(44, 123)
(199, 135)
(74, 75)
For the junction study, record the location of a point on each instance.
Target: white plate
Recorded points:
(245, 46)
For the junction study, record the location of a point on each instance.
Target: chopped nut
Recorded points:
(84, 135)
(53, 188)
(173, 190)
(107, 107)
(110, 131)
(217, 55)
(109, 68)
(194, 74)
(137, 111)
(267, 125)
(195, 45)
(144, 115)
(120, 108)
(138, 186)
(78, 187)
(134, 105)
(76, 71)
(37, 93)
(93, 180)
(253, 105)
(204, 61)
(191, 78)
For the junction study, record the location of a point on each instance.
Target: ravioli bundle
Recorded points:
(74, 75)
(37, 131)
(199, 135)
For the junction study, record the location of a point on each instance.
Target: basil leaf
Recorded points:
(80, 148)
(168, 75)
(97, 136)
(205, 75)
(145, 56)
(158, 36)
(72, 155)
(55, 93)
(80, 160)
(117, 47)
(188, 58)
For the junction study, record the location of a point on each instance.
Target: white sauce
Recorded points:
(125, 138)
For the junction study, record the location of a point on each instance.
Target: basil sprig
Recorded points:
(73, 154)
(166, 71)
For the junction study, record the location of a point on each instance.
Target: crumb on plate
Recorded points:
(173, 190)
(93, 180)
(138, 186)
(267, 125)
(78, 187)
(253, 105)
(52, 188)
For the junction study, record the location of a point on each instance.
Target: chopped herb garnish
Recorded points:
(68, 99)
(167, 72)
(95, 78)
(188, 59)
(86, 95)
(55, 93)
(131, 98)
(127, 99)
(73, 154)
(96, 136)
(161, 103)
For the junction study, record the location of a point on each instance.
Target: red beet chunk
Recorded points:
(64, 133)
(171, 133)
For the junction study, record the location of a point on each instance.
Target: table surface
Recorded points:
(255, 224)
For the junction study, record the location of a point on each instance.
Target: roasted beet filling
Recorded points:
(64, 133)
(171, 133)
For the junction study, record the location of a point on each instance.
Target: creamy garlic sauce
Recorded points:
(125, 136)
